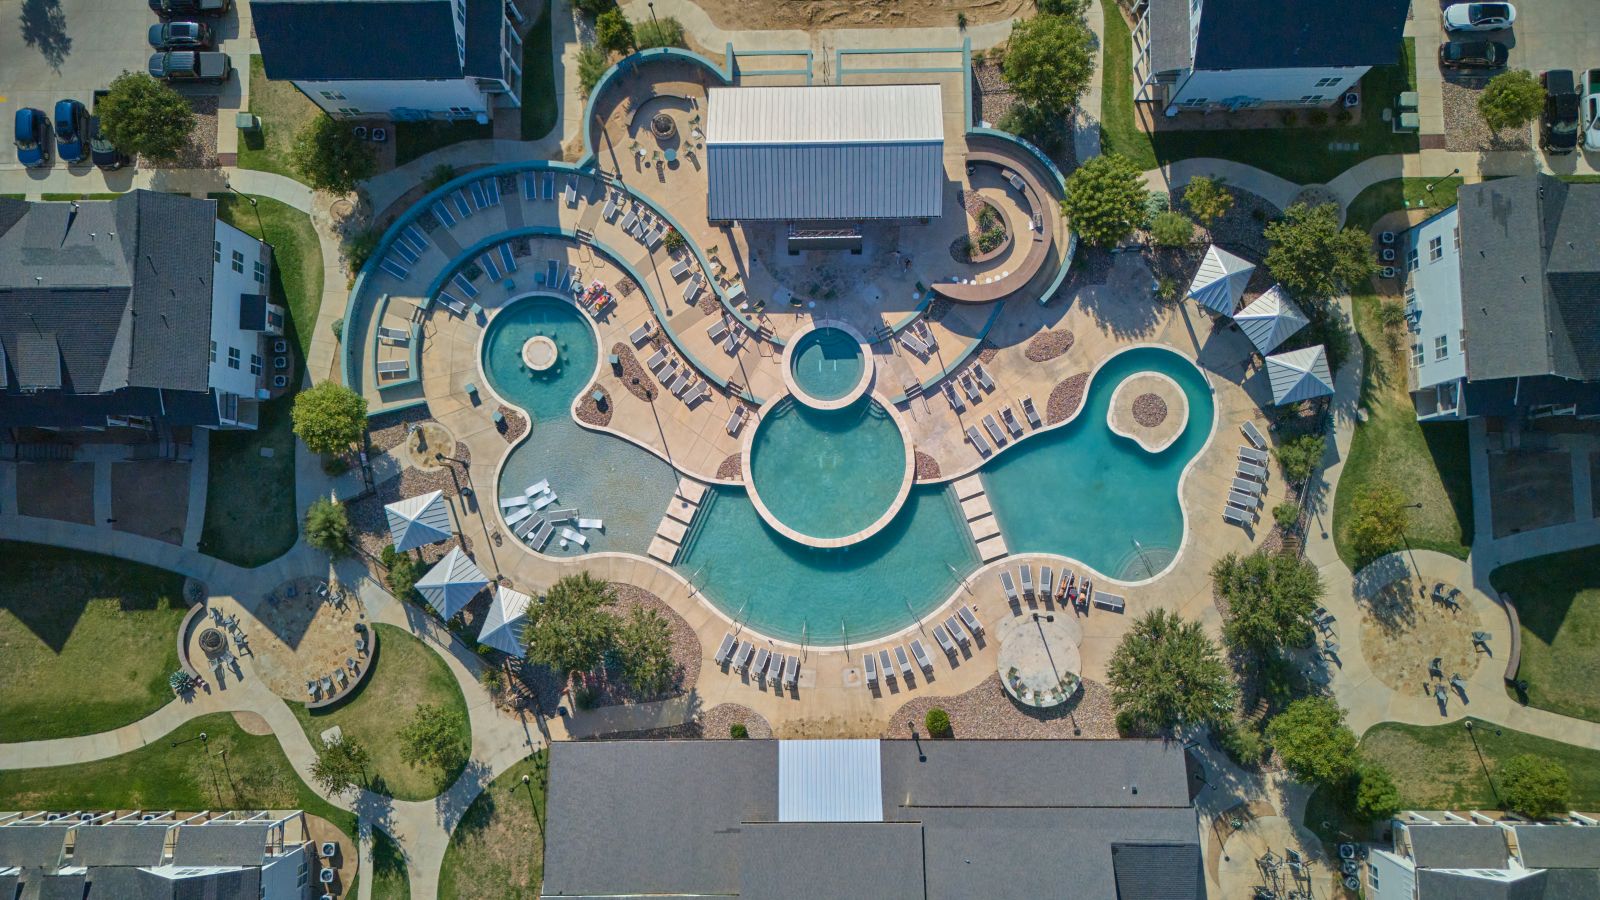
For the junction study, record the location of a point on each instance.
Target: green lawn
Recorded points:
(1300, 154)
(1385, 197)
(250, 509)
(539, 107)
(1437, 767)
(283, 110)
(111, 196)
(1558, 603)
(230, 770)
(414, 139)
(83, 633)
(389, 878)
(497, 850)
(406, 673)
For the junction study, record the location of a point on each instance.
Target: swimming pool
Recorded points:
(827, 363)
(603, 476)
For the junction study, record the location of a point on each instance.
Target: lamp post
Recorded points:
(657, 25)
(254, 206)
(1422, 589)
(1453, 173)
(1490, 778)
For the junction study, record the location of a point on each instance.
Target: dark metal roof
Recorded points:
(120, 845)
(1558, 846)
(27, 846)
(1457, 847)
(350, 40)
(877, 860)
(1269, 34)
(484, 19)
(210, 844)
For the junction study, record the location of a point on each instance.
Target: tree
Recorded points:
(402, 577)
(1512, 100)
(1105, 199)
(667, 32)
(1378, 524)
(329, 156)
(1166, 672)
(938, 723)
(571, 629)
(1314, 742)
(593, 8)
(433, 738)
(1286, 514)
(644, 643)
(1049, 61)
(592, 64)
(1270, 598)
(1535, 786)
(328, 526)
(144, 116)
(1072, 8)
(613, 32)
(329, 417)
(1299, 456)
(1376, 796)
(340, 765)
(1207, 199)
(1171, 229)
(1312, 256)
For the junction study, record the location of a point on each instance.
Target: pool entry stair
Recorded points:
(981, 523)
(681, 510)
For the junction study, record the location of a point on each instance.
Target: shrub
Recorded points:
(1207, 199)
(585, 697)
(1344, 116)
(1298, 456)
(1512, 100)
(179, 681)
(491, 679)
(329, 417)
(644, 645)
(1287, 515)
(337, 326)
(328, 526)
(1534, 786)
(1379, 522)
(403, 574)
(359, 248)
(329, 156)
(1171, 229)
(938, 723)
(1049, 61)
(613, 32)
(1169, 288)
(146, 117)
(667, 32)
(593, 8)
(1314, 742)
(1242, 742)
(1317, 117)
(1287, 117)
(439, 176)
(1376, 796)
(738, 732)
(1105, 199)
(592, 64)
(1073, 8)
(1391, 315)
(673, 241)
(1034, 125)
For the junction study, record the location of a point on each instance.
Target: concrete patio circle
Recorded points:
(1039, 661)
(1403, 630)
(1150, 409)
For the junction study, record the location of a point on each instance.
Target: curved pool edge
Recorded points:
(1111, 421)
(869, 368)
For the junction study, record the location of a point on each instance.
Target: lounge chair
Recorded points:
(1113, 602)
(741, 655)
(1250, 470)
(1253, 434)
(1009, 586)
(724, 650)
(1235, 515)
(1046, 581)
(976, 437)
(718, 330)
(641, 333)
(1247, 486)
(970, 618)
(763, 656)
(517, 516)
(943, 637)
(630, 221)
(982, 375)
(394, 367)
(1251, 454)
(870, 664)
(452, 304)
(697, 393)
(791, 671)
(953, 625)
(1249, 502)
(735, 421)
(592, 524)
(574, 536)
(679, 383)
(903, 660)
(542, 486)
(968, 387)
(920, 653)
(681, 268)
(571, 193)
(993, 428)
(659, 359)
(955, 400)
(1010, 419)
(1027, 579)
(541, 535)
(510, 502)
(886, 667)
(1029, 412)
(910, 342)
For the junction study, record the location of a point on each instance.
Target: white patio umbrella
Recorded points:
(415, 521)
(1270, 319)
(452, 583)
(502, 626)
(1299, 375)
(1220, 281)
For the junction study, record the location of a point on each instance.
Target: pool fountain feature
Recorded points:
(827, 366)
(539, 353)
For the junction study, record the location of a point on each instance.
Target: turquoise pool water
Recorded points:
(603, 476)
(827, 363)
(827, 473)
(1082, 491)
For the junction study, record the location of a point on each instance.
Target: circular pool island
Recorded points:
(827, 366)
(828, 477)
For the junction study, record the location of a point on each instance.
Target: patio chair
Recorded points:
(1009, 586)
(982, 375)
(920, 653)
(1438, 592)
(311, 689)
(885, 666)
(1436, 668)
(1028, 412)
(903, 660)
(763, 656)
(1253, 434)
(970, 618)
(943, 637)
(1046, 581)
(869, 665)
(791, 672)
(327, 685)
(1027, 579)
(953, 625)
(344, 680)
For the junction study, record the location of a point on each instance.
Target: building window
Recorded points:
(333, 95)
(1435, 249)
(1416, 355)
(1456, 236)
(1411, 260)
(233, 357)
(348, 111)
(238, 262)
(1441, 347)
(213, 351)
(261, 273)
(1310, 99)
(1328, 82)
(255, 364)
(1193, 102)
(216, 251)
(460, 112)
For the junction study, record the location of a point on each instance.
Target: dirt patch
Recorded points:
(1149, 410)
(1464, 129)
(251, 723)
(819, 14)
(595, 412)
(1047, 345)
(1065, 398)
(56, 490)
(634, 378)
(731, 468)
(927, 467)
(987, 713)
(516, 424)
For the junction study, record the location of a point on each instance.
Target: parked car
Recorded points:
(1473, 54)
(1479, 16)
(101, 150)
(180, 36)
(169, 9)
(1591, 110)
(1558, 132)
(188, 65)
(72, 126)
(31, 131)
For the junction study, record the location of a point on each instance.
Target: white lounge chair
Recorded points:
(539, 487)
(724, 650)
(900, 657)
(518, 515)
(1251, 454)
(920, 653)
(1247, 486)
(510, 502)
(968, 387)
(1235, 515)
(763, 656)
(1027, 579)
(976, 437)
(641, 333)
(1029, 412)
(1253, 434)
(955, 399)
(1250, 502)
(741, 656)
(1009, 586)
(971, 619)
(982, 375)
(885, 666)
(735, 421)
(993, 428)
(591, 524)
(943, 637)
(574, 536)
(869, 664)
(956, 631)
(1250, 470)
(1112, 602)
(791, 671)
(1010, 419)
(659, 359)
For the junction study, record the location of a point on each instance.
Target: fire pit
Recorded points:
(662, 126)
(212, 643)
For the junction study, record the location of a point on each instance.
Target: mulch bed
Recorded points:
(732, 468)
(712, 725)
(927, 467)
(592, 412)
(1149, 410)
(1065, 398)
(987, 712)
(1047, 345)
(708, 303)
(387, 430)
(516, 425)
(936, 309)
(987, 351)
(634, 377)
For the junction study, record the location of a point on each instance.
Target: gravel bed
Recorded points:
(927, 466)
(1065, 398)
(1315, 195)
(708, 303)
(371, 527)
(731, 468)
(1240, 229)
(936, 310)
(516, 425)
(1091, 265)
(626, 286)
(1047, 345)
(712, 725)
(634, 378)
(987, 351)
(1149, 410)
(592, 412)
(1465, 131)
(987, 712)
(992, 96)
(388, 430)
(200, 151)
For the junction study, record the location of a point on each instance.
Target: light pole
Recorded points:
(1453, 173)
(657, 25)
(1422, 589)
(252, 201)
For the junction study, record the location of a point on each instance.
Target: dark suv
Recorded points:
(1558, 131)
(180, 36)
(169, 9)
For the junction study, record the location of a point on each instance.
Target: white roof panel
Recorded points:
(825, 114)
(830, 781)
(1299, 375)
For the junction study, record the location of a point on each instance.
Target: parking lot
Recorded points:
(59, 49)
(1548, 34)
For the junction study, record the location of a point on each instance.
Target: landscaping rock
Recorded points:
(1065, 398)
(987, 712)
(516, 424)
(634, 377)
(927, 467)
(592, 412)
(731, 468)
(1047, 345)
(1464, 129)
(1149, 410)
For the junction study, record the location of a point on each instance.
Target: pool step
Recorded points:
(675, 523)
(981, 523)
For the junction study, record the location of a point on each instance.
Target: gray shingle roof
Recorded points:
(120, 845)
(1169, 35)
(1149, 871)
(1259, 34)
(1457, 847)
(29, 846)
(1021, 774)
(876, 860)
(1563, 847)
(1436, 885)
(243, 844)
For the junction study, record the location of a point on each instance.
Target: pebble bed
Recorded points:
(987, 351)
(936, 309)
(1149, 410)
(992, 94)
(1047, 345)
(987, 712)
(731, 468)
(516, 424)
(200, 151)
(712, 725)
(1065, 398)
(593, 413)
(634, 378)
(927, 467)
(1465, 131)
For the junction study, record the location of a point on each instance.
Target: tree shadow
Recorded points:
(44, 27)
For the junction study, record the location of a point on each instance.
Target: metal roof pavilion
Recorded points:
(830, 781)
(825, 152)
(1270, 319)
(1299, 375)
(502, 625)
(1220, 281)
(415, 521)
(452, 583)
